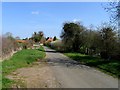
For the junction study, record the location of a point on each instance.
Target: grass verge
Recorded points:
(20, 59)
(111, 67)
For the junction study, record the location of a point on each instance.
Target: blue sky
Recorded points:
(22, 19)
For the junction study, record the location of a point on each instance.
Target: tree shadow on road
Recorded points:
(50, 51)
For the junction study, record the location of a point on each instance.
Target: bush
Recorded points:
(8, 45)
(57, 45)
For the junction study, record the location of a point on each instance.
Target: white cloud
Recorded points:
(76, 20)
(35, 12)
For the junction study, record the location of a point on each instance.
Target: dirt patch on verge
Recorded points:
(38, 75)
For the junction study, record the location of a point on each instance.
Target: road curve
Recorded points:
(70, 74)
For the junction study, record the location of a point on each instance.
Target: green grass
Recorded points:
(20, 59)
(111, 67)
(6, 82)
(0, 75)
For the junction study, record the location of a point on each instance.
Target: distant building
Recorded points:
(21, 41)
(50, 39)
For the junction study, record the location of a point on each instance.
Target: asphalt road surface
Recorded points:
(71, 74)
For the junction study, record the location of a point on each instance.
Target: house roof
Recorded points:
(21, 41)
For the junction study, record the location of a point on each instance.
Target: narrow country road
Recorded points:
(70, 74)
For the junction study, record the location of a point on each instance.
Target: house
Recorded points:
(50, 39)
(21, 41)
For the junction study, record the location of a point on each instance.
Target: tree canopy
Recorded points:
(72, 36)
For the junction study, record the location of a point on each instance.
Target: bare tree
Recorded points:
(114, 9)
(8, 44)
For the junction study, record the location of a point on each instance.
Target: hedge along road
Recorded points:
(70, 74)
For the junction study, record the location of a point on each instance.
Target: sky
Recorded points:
(24, 18)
